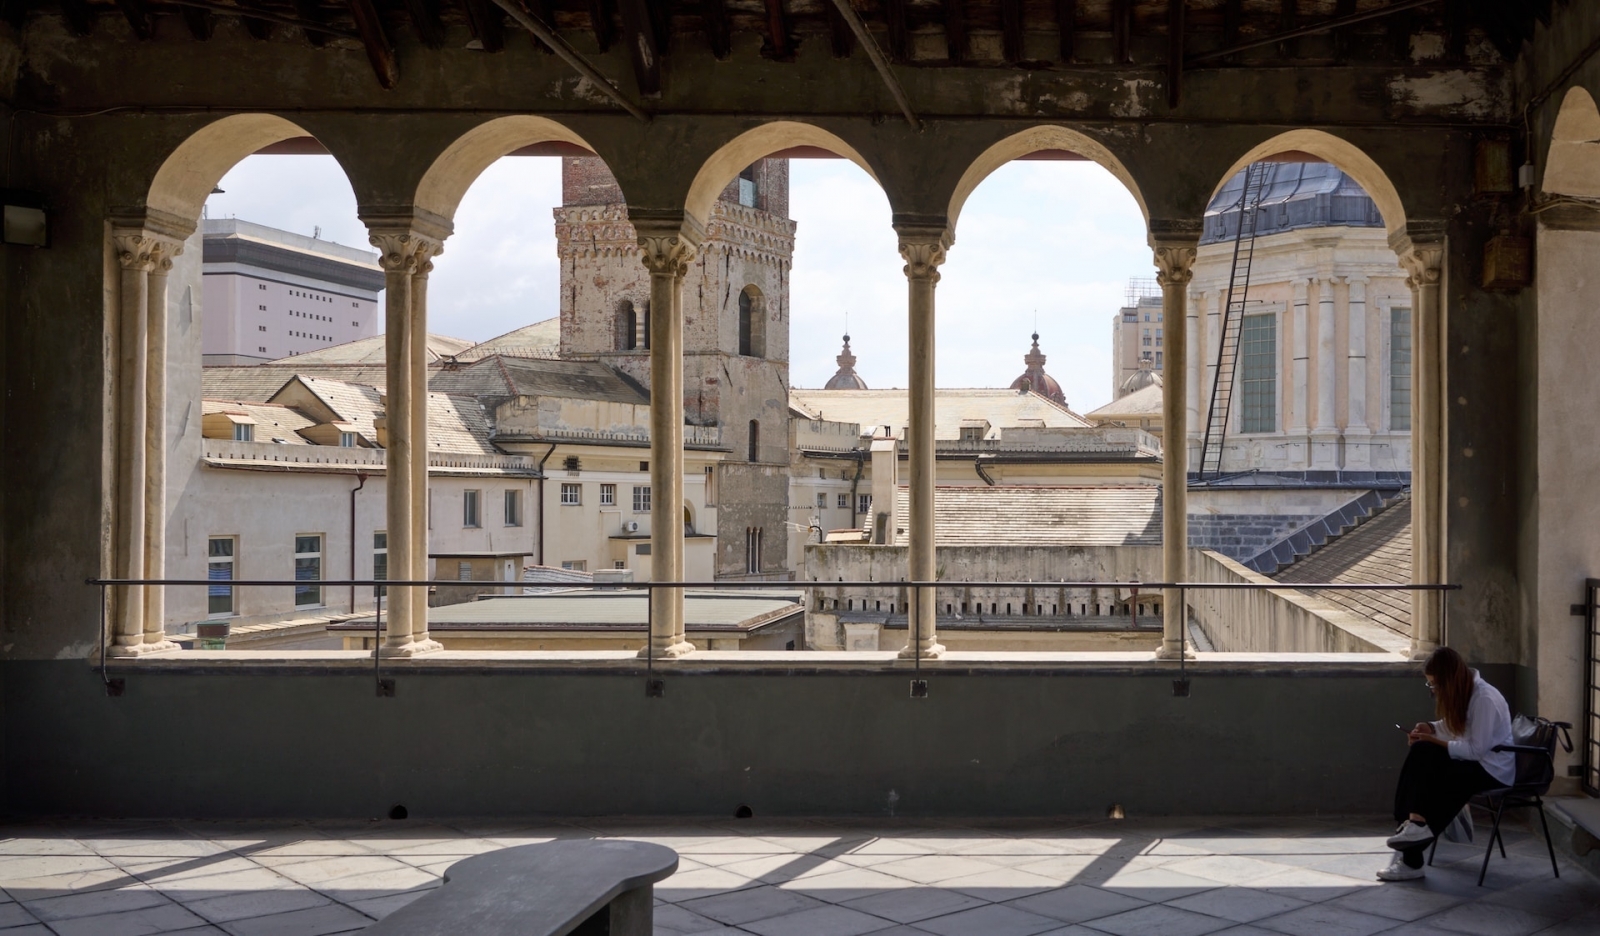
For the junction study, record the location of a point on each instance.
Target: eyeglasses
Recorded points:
(1431, 686)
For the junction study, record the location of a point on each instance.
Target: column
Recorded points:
(1175, 262)
(416, 365)
(1357, 434)
(1325, 435)
(129, 451)
(666, 253)
(164, 249)
(1421, 250)
(923, 246)
(1298, 375)
(403, 251)
(145, 246)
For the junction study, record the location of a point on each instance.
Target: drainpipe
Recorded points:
(977, 465)
(361, 479)
(541, 501)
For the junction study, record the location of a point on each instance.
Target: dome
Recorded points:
(1035, 380)
(1145, 376)
(846, 378)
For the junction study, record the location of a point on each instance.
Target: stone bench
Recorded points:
(571, 886)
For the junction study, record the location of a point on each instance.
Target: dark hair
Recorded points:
(1454, 687)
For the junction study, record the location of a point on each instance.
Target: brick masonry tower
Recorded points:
(736, 335)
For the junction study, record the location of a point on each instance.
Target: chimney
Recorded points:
(885, 482)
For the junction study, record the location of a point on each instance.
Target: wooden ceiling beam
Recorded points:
(488, 24)
(780, 46)
(955, 30)
(899, 35)
(639, 34)
(380, 51)
(719, 30)
(200, 22)
(1011, 31)
(1341, 36)
(311, 12)
(258, 29)
(605, 32)
(1121, 31)
(1067, 27)
(79, 16)
(1289, 21)
(138, 16)
(840, 38)
(1175, 11)
(425, 22)
(539, 10)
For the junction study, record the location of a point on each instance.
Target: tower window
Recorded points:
(627, 327)
(755, 440)
(747, 187)
(752, 323)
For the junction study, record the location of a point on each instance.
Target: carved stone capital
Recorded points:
(404, 250)
(136, 249)
(924, 245)
(1420, 247)
(665, 251)
(1174, 264)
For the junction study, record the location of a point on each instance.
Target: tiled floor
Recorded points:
(803, 878)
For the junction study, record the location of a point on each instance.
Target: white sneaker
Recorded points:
(1411, 835)
(1397, 871)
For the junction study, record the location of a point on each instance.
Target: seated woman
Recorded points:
(1450, 759)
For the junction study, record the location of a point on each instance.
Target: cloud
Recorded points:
(1056, 239)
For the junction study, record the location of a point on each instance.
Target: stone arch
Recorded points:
(1350, 159)
(722, 166)
(752, 323)
(446, 182)
(1572, 166)
(1033, 140)
(188, 175)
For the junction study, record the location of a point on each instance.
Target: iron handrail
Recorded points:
(787, 585)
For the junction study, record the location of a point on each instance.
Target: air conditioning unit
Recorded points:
(632, 526)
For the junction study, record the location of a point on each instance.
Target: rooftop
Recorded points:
(619, 609)
(1037, 515)
(1379, 550)
(1060, 876)
(1000, 408)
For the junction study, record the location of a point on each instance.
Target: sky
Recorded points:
(1052, 243)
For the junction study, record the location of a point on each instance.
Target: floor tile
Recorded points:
(819, 921)
(1077, 903)
(930, 869)
(847, 884)
(1158, 920)
(315, 921)
(681, 922)
(1398, 901)
(162, 919)
(1158, 884)
(1239, 904)
(255, 903)
(14, 914)
(993, 920)
(757, 903)
(1226, 869)
(96, 903)
(1486, 919)
(1327, 920)
(1000, 884)
(1310, 884)
(910, 904)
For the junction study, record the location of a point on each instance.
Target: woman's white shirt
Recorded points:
(1488, 725)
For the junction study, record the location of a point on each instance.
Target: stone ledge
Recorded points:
(783, 663)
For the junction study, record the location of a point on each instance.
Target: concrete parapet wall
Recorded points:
(579, 737)
(1278, 620)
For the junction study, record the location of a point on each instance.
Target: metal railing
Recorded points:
(654, 686)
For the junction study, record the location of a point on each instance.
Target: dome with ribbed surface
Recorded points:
(1145, 376)
(1035, 380)
(846, 378)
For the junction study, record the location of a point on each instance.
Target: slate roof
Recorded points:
(359, 405)
(274, 423)
(498, 378)
(371, 351)
(537, 340)
(1140, 404)
(1000, 408)
(1038, 515)
(1378, 550)
(261, 382)
(457, 424)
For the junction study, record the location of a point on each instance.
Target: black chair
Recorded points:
(1536, 769)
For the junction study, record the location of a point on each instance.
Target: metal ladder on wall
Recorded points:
(1258, 176)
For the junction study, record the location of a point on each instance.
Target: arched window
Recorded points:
(755, 439)
(752, 323)
(627, 327)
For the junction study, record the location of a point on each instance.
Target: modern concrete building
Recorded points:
(270, 294)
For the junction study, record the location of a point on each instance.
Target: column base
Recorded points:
(1173, 653)
(414, 648)
(1420, 652)
(126, 651)
(929, 652)
(669, 652)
